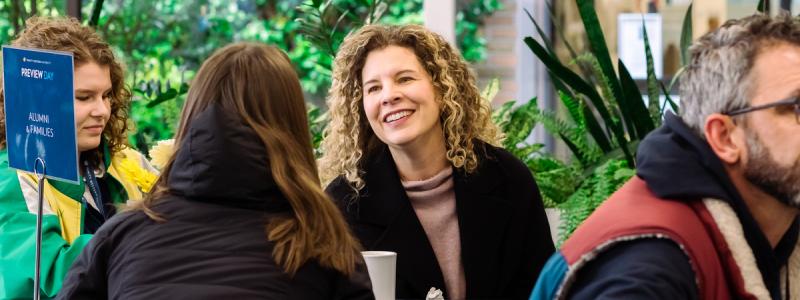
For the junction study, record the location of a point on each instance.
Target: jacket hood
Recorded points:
(677, 164)
(223, 161)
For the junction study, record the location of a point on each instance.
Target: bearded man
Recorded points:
(713, 210)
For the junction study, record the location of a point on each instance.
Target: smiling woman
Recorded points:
(409, 154)
(392, 75)
(111, 173)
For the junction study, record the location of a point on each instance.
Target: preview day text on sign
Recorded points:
(40, 114)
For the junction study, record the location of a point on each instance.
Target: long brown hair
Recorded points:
(67, 34)
(258, 82)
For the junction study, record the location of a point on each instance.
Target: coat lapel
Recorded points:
(385, 205)
(483, 216)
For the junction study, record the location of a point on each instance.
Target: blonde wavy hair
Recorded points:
(465, 116)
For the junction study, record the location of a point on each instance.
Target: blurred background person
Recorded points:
(111, 173)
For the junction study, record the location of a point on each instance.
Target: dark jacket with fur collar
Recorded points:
(678, 165)
(505, 237)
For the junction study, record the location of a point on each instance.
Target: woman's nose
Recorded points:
(390, 94)
(99, 107)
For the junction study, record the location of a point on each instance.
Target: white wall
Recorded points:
(440, 17)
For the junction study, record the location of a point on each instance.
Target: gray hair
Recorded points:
(717, 78)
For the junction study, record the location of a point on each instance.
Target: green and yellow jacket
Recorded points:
(128, 175)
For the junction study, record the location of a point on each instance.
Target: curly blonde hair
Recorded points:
(67, 34)
(349, 140)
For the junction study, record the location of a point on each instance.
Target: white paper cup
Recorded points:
(381, 266)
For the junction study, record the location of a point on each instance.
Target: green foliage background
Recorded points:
(604, 116)
(163, 42)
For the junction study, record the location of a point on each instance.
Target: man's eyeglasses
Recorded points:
(794, 100)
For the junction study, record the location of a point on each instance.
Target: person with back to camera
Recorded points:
(239, 212)
(111, 173)
(411, 159)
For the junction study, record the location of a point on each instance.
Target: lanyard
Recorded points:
(94, 188)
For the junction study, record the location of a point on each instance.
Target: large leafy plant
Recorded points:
(164, 41)
(606, 117)
(554, 177)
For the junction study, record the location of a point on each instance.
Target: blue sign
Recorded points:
(40, 113)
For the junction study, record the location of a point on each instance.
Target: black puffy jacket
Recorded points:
(213, 243)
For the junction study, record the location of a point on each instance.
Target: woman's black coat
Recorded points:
(505, 237)
(213, 244)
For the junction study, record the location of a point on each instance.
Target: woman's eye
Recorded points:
(106, 96)
(372, 89)
(405, 79)
(82, 98)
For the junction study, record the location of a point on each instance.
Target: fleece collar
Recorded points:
(677, 164)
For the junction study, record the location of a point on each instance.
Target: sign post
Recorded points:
(37, 273)
(38, 88)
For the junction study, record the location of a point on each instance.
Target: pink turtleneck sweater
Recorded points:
(434, 201)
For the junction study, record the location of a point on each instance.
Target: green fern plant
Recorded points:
(606, 118)
(603, 181)
(556, 179)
